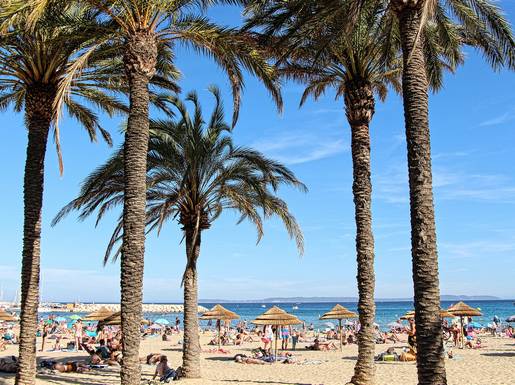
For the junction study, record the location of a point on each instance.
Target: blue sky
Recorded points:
(472, 126)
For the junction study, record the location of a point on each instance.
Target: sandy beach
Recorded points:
(490, 365)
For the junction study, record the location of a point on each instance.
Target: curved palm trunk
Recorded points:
(191, 347)
(359, 103)
(430, 354)
(38, 104)
(140, 60)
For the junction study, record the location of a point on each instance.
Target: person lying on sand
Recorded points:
(317, 345)
(243, 359)
(150, 359)
(67, 367)
(8, 365)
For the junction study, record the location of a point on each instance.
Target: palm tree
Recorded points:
(194, 173)
(34, 77)
(486, 28)
(141, 26)
(356, 65)
(482, 25)
(32, 70)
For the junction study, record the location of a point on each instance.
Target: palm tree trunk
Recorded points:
(140, 60)
(191, 347)
(430, 354)
(38, 104)
(359, 102)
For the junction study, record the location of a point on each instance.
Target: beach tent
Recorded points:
(276, 316)
(98, 315)
(4, 316)
(338, 312)
(219, 313)
(461, 310)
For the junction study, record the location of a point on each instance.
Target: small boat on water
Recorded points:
(263, 305)
(295, 307)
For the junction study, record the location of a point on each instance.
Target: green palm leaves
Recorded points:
(194, 173)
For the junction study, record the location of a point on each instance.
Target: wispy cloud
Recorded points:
(302, 147)
(392, 186)
(481, 249)
(500, 119)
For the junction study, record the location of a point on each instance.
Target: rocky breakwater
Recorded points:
(147, 308)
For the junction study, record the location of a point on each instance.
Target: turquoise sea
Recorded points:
(386, 312)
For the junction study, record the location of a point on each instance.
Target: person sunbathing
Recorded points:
(150, 359)
(243, 359)
(67, 367)
(317, 345)
(8, 365)
(164, 372)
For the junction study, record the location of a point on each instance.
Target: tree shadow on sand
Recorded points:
(499, 354)
(223, 358)
(267, 382)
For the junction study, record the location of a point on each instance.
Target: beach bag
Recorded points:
(388, 357)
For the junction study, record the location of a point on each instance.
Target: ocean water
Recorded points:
(386, 312)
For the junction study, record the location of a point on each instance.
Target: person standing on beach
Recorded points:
(177, 324)
(77, 329)
(285, 335)
(46, 329)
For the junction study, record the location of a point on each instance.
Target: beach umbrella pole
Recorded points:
(340, 331)
(219, 334)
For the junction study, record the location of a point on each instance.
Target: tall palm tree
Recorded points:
(482, 25)
(141, 26)
(33, 66)
(358, 64)
(194, 173)
(34, 77)
(359, 61)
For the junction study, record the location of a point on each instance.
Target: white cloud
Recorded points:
(302, 147)
(500, 119)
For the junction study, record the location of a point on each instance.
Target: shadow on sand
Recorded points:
(499, 354)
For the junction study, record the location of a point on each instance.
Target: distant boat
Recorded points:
(263, 305)
(295, 307)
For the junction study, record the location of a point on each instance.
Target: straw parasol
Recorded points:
(276, 316)
(4, 316)
(219, 313)
(98, 315)
(461, 310)
(411, 314)
(339, 312)
(116, 319)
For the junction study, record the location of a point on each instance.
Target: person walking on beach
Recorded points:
(177, 324)
(77, 330)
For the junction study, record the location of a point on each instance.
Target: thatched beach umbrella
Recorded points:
(98, 315)
(339, 312)
(116, 319)
(219, 313)
(276, 316)
(4, 316)
(411, 314)
(461, 310)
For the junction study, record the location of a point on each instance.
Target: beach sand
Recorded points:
(491, 365)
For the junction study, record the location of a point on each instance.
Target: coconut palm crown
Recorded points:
(194, 173)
